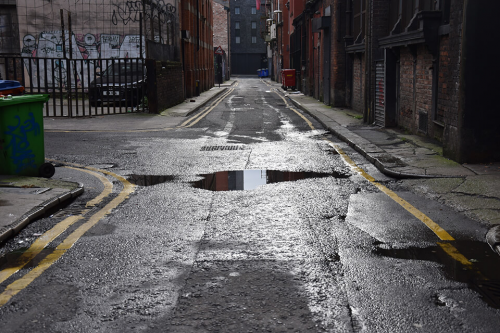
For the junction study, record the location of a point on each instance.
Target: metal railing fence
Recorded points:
(82, 87)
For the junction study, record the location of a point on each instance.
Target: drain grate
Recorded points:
(215, 148)
(490, 290)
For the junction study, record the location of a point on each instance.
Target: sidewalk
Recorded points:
(416, 160)
(25, 199)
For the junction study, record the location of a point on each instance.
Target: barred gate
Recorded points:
(82, 87)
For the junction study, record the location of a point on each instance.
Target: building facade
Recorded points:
(222, 29)
(89, 35)
(248, 27)
(415, 64)
(197, 45)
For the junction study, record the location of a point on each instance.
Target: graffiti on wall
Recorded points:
(23, 156)
(130, 11)
(160, 13)
(90, 48)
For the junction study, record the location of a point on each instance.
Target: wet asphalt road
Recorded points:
(321, 254)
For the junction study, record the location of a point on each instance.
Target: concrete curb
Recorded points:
(190, 112)
(358, 143)
(37, 211)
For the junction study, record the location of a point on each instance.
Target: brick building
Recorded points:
(423, 65)
(197, 45)
(65, 43)
(222, 29)
(410, 64)
(248, 48)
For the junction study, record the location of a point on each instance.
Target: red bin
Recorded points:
(288, 79)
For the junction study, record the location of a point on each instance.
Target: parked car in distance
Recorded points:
(122, 82)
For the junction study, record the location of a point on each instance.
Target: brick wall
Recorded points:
(423, 82)
(198, 52)
(444, 98)
(337, 76)
(448, 82)
(169, 84)
(220, 24)
(221, 37)
(358, 71)
(449, 69)
(406, 102)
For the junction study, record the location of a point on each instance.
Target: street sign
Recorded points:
(219, 50)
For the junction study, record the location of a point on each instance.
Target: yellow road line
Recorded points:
(18, 285)
(455, 254)
(108, 186)
(440, 232)
(38, 245)
(195, 119)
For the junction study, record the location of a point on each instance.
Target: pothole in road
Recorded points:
(149, 180)
(482, 275)
(242, 180)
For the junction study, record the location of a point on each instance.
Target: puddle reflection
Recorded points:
(245, 180)
(242, 180)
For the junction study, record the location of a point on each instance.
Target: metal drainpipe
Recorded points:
(367, 114)
(197, 55)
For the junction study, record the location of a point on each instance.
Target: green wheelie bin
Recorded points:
(22, 138)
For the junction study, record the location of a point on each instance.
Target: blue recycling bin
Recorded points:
(264, 72)
(9, 87)
(259, 71)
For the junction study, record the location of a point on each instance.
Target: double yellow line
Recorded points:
(195, 119)
(39, 244)
(440, 232)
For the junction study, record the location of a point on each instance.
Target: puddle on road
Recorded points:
(242, 180)
(484, 277)
(245, 180)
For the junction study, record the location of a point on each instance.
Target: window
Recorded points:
(236, 10)
(358, 18)
(254, 25)
(405, 10)
(237, 31)
(254, 10)
(254, 39)
(6, 26)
